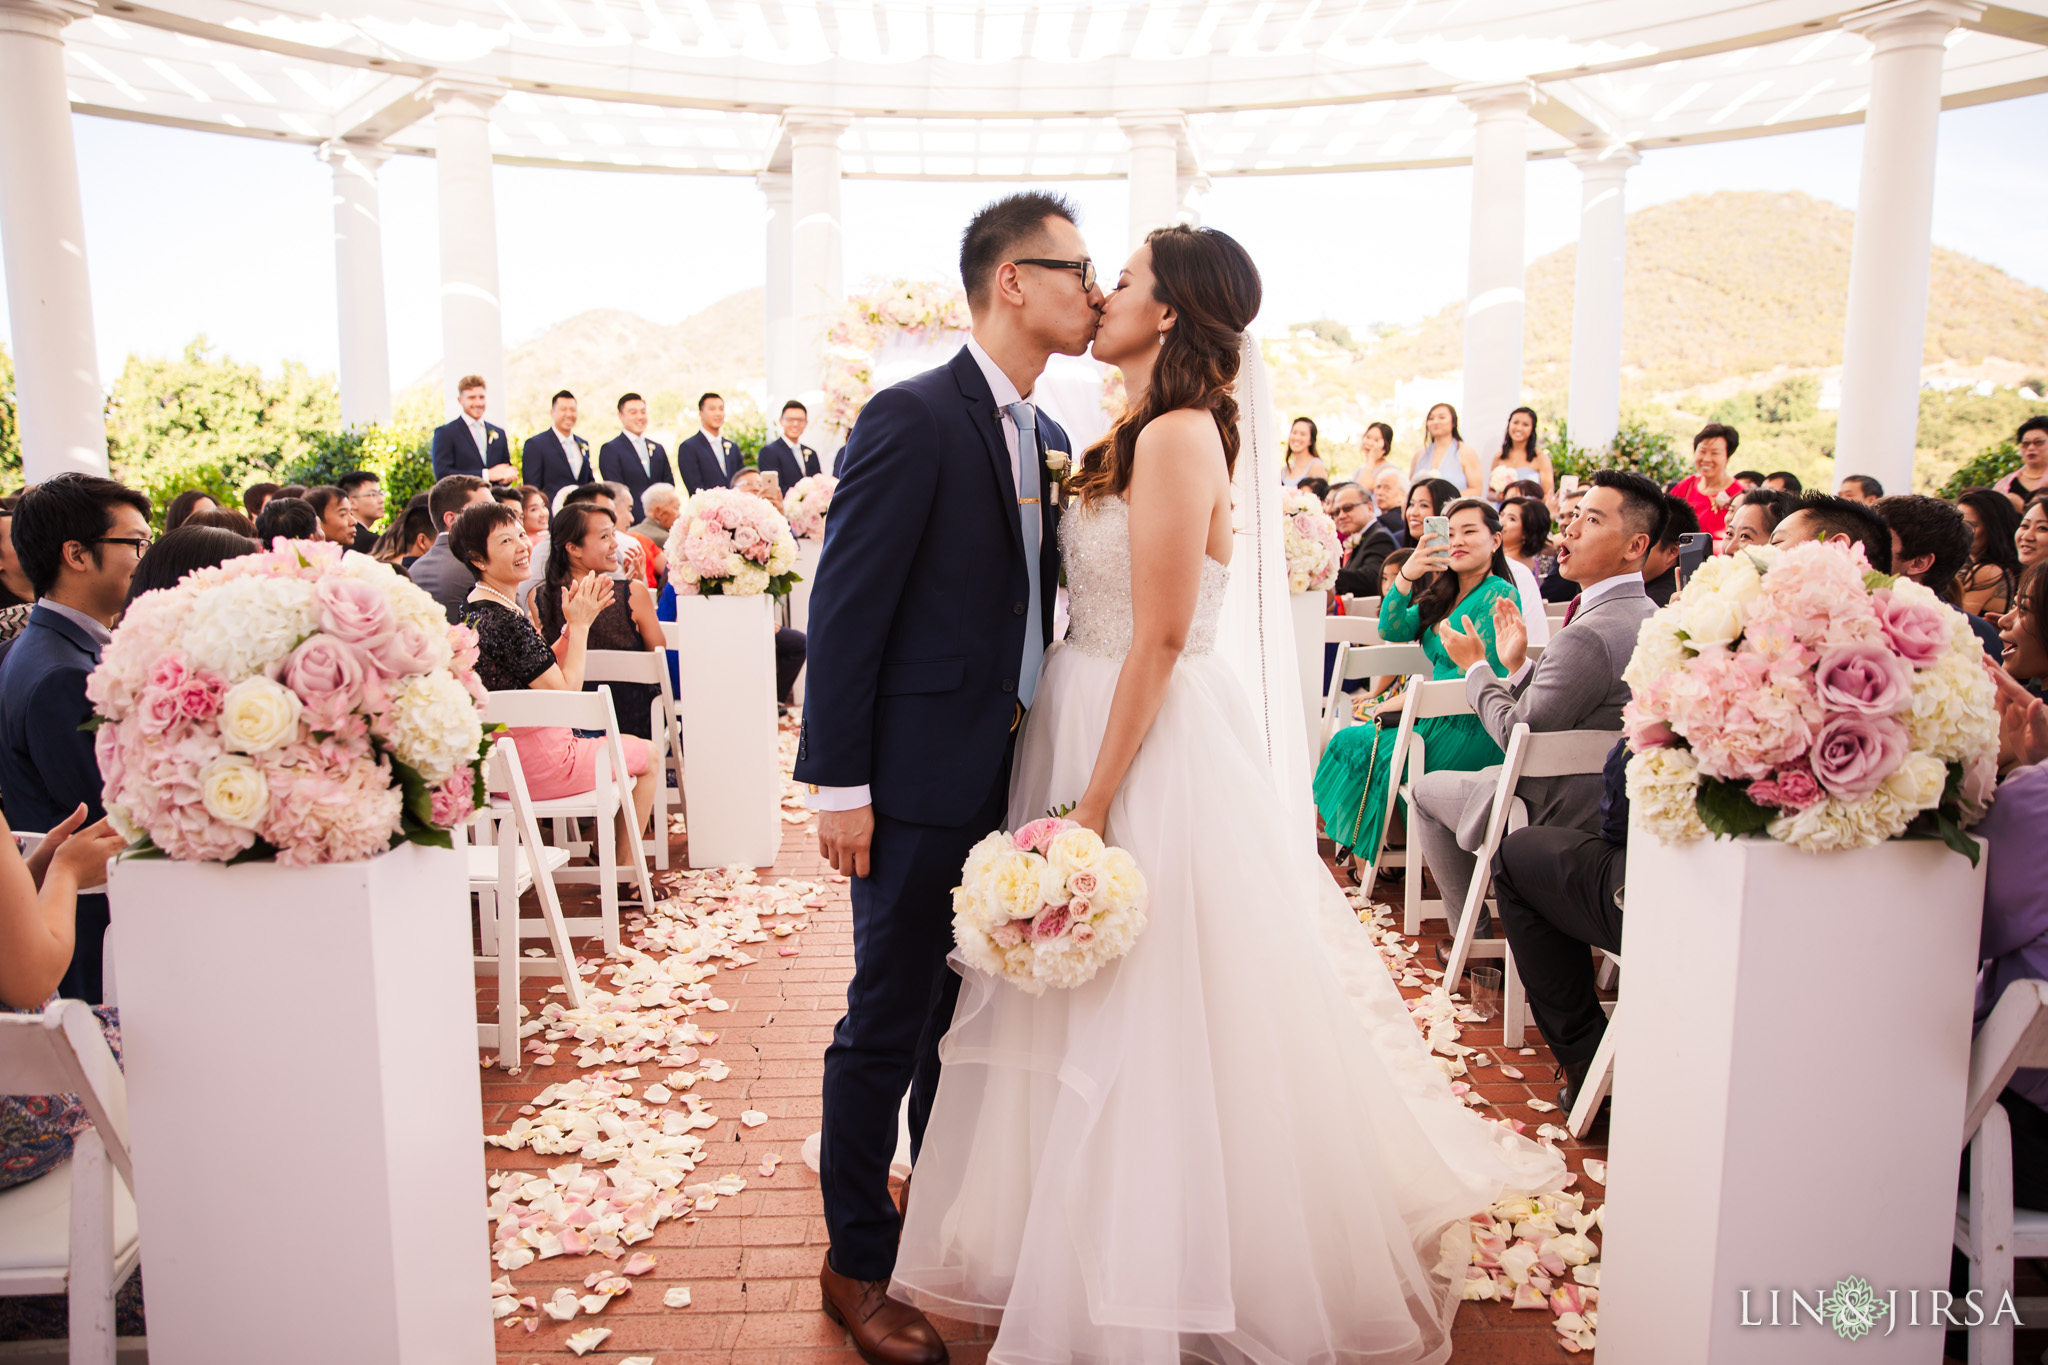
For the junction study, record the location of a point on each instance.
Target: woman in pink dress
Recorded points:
(1711, 489)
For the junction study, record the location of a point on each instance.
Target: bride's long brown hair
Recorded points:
(1213, 288)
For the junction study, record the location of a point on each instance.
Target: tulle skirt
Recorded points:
(1232, 1144)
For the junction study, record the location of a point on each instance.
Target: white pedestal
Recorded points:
(1788, 1104)
(807, 552)
(732, 779)
(301, 1054)
(1309, 610)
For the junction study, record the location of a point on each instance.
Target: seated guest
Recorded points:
(1367, 543)
(664, 503)
(1389, 488)
(1524, 520)
(1320, 487)
(584, 545)
(337, 513)
(1750, 479)
(1784, 481)
(1559, 889)
(1838, 522)
(1660, 574)
(365, 494)
(17, 598)
(224, 519)
(1861, 488)
(254, 496)
(1993, 569)
(292, 518)
(410, 535)
(80, 538)
(1460, 581)
(292, 490)
(184, 505)
(510, 496)
(753, 481)
(438, 572)
(1426, 498)
(1930, 542)
(2030, 541)
(1575, 685)
(1755, 517)
(183, 550)
(488, 539)
(534, 509)
(613, 498)
(2023, 633)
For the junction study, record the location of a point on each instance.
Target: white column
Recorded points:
(472, 329)
(42, 230)
(1889, 255)
(1190, 191)
(359, 282)
(1597, 294)
(1493, 282)
(816, 257)
(781, 330)
(1154, 140)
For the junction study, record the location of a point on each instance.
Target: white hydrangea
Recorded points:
(433, 724)
(748, 580)
(243, 626)
(1659, 652)
(1663, 792)
(1830, 825)
(1717, 600)
(1955, 715)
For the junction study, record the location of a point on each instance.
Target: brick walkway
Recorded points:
(751, 1263)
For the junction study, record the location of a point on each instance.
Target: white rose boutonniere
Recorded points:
(1058, 464)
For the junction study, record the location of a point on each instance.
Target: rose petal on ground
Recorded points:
(1596, 1170)
(678, 1297)
(753, 1118)
(638, 1264)
(561, 1306)
(1528, 1295)
(587, 1340)
(1511, 1072)
(769, 1163)
(1542, 1106)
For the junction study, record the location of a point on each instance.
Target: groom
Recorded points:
(931, 614)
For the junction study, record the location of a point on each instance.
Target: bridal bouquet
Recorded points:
(302, 703)
(733, 544)
(1313, 555)
(1796, 694)
(807, 504)
(1048, 905)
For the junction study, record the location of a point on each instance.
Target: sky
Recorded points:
(193, 233)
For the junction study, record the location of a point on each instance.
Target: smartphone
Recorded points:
(1435, 531)
(772, 478)
(1693, 549)
(1567, 483)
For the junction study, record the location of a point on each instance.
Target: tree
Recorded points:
(10, 425)
(212, 424)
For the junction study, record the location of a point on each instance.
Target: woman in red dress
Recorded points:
(1711, 489)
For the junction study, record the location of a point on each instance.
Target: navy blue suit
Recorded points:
(789, 465)
(47, 765)
(617, 463)
(544, 464)
(701, 467)
(916, 640)
(455, 449)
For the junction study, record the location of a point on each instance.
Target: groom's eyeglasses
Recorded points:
(1087, 269)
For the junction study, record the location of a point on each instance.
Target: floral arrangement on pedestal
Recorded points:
(901, 306)
(1796, 694)
(1313, 554)
(302, 703)
(807, 505)
(1048, 905)
(731, 544)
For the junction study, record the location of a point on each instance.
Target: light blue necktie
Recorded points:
(1026, 418)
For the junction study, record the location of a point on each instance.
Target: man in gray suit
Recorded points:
(1575, 685)
(438, 572)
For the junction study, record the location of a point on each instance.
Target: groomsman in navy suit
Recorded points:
(469, 444)
(556, 458)
(630, 458)
(707, 458)
(787, 455)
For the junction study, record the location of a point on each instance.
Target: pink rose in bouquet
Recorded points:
(1919, 631)
(328, 676)
(1868, 679)
(1853, 753)
(354, 611)
(1036, 835)
(1047, 905)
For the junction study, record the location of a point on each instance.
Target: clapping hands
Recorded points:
(586, 599)
(1510, 634)
(1466, 647)
(2022, 721)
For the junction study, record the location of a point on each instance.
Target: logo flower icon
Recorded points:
(1853, 1308)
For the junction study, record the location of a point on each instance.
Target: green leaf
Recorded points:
(432, 838)
(1725, 808)
(92, 723)
(419, 801)
(1950, 831)
(1873, 580)
(258, 852)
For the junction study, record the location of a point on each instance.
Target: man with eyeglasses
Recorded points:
(79, 538)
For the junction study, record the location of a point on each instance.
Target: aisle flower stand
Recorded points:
(1788, 1105)
(1309, 610)
(725, 697)
(302, 1084)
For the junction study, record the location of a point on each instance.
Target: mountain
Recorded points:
(606, 352)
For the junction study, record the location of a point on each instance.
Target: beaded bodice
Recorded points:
(1095, 546)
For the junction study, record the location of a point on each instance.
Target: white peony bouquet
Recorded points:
(1313, 554)
(1048, 905)
(735, 544)
(1797, 694)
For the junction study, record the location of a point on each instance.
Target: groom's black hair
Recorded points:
(999, 229)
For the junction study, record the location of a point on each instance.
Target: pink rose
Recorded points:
(1080, 909)
(199, 695)
(1083, 884)
(1865, 678)
(1918, 630)
(1036, 835)
(729, 516)
(1797, 787)
(1008, 935)
(409, 649)
(1084, 933)
(1980, 780)
(454, 799)
(158, 710)
(168, 670)
(109, 747)
(327, 674)
(1853, 753)
(1051, 923)
(354, 611)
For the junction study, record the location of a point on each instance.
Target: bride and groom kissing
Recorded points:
(1232, 1143)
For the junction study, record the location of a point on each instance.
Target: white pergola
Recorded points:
(1167, 94)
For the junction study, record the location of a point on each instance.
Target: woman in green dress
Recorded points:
(1459, 580)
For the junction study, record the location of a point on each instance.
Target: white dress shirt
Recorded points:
(1587, 597)
(93, 627)
(853, 798)
(1533, 616)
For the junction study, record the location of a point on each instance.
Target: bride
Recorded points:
(1231, 1145)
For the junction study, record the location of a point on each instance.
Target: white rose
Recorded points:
(1710, 618)
(1663, 792)
(258, 714)
(1918, 783)
(433, 724)
(1013, 882)
(234, 791)
(1075, 850)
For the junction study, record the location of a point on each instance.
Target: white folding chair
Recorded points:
(71, 1231)
(1362, 660)
(673, 634)
(1989, 1230)
(1425, 701)
(508, 859)
(648, 667)
(609, 800)
(1367, 608)
(1553, 753)
(1600, 1072)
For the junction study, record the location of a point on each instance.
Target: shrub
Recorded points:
(400, 457)
(1995, 463)
(1636, 446)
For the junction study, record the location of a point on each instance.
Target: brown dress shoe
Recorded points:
(886, 1331)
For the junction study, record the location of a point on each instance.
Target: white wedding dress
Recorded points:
(1232, 1145)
